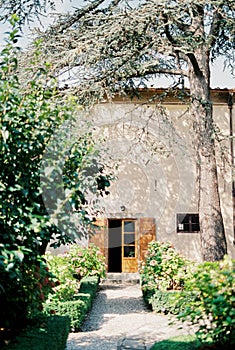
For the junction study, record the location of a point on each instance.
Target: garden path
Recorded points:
(119, 312)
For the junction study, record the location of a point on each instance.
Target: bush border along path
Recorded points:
(51, 332)
(77, 308)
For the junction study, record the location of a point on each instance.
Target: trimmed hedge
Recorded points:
(85, 297)
(50, 334)
(77, 308)
(89, 285)
(147, 295)
(182, 342)
(173, 301)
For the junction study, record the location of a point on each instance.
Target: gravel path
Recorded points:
(119, 312)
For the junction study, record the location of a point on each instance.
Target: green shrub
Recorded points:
(89, 285)
(51, 334)
(163, 268)
(68, 285)
(30, 114)
(182, 342)
(86, 297)
(172, 302)
(147, 295)
(87, 261)
(214, 309)
(77, 308)
(66, 268)
(25, 286)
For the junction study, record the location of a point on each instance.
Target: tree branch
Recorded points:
(167, 29)
(78, 14)
(215, 28)
(194, 63)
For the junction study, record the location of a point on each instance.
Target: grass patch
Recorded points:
(186, 342)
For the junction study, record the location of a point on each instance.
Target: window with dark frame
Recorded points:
(187, 222)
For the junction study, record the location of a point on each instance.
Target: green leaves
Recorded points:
(113, 45)
(163, 268)
(30, 116)
(72, 266)
(207, 297)
(214, 309)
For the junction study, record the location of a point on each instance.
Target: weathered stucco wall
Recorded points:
(156, 174)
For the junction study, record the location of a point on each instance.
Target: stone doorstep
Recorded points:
(122, 278)
(131, 344)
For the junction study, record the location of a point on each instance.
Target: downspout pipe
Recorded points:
(230, 108)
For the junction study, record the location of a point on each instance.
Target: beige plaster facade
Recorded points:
(157, 172)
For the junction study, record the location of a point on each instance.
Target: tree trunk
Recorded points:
(42, 248)
(212, 235)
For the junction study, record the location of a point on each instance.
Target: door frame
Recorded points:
(145, 233)
(128, 264)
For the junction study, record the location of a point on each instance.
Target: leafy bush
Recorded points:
(182, 342)
(70, 267)
(61, 268)
(76, 309)
(147, 295)
(214, 308)
(31, 111)
(163, 268)
(172, 302)
(205, 296)
(89, 285)
(87, 261)
(50, 333)
(38, 283)
(26, 283)
(86, 297)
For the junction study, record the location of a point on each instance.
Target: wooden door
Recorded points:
(147, 233)
(129, 246)
(135, 237)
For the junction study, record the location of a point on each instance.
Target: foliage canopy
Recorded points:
(30, 114)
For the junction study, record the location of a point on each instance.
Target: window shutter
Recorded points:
(99, 237)
(147, 231)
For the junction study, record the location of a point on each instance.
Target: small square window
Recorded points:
(187, 222)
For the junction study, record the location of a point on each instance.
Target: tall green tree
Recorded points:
(119, 45)
(35, 207)
(44, 182)
(110, 46)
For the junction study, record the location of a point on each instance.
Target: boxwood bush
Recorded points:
(214, 308)
(171, 302)
(163, 268)
(72, 267)
(49, 333)
(89, 285)
(77, 308)
(202, 294)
